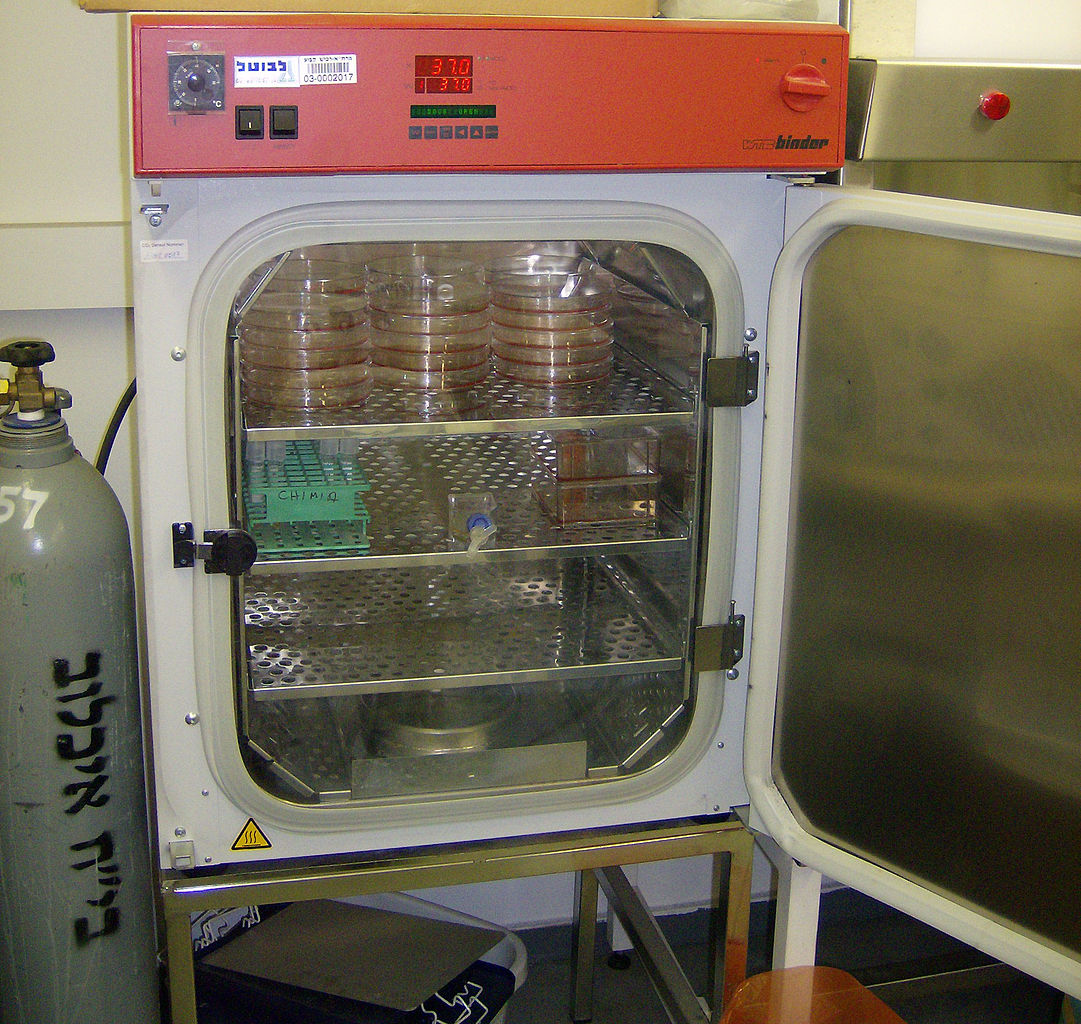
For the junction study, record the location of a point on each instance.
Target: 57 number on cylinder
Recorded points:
(33, 499)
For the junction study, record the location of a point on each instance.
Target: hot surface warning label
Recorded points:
(251, 838)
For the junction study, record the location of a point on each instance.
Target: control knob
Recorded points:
(196, 82)
(803, 87)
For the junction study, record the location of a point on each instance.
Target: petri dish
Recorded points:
(431, 362)
(535, 339)
(283, 311)
(411, 323)
(271, 338)
(302, 357)
(426, 286)
(431, 342)
(316, 276)
(317, 379)
(531, 373)
(566, 320)
(555, 356)
(547, 284)
(430, 380)
(310, 390)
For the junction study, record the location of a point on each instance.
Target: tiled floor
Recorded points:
(882, 948)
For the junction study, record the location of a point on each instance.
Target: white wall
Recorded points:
(64, 265)
(883, 28)
(1047, 31)
(63, 174)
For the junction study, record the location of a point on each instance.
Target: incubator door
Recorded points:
(914, 718)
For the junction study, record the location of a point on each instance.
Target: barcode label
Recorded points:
(333, 69)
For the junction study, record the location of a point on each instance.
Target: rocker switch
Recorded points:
(283, 122)
(249, 122)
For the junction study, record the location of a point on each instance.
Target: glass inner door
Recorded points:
(474, 475)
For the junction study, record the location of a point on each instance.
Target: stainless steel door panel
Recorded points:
(927, 703)
(931, 708)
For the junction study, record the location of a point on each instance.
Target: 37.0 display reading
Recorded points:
(443, 73)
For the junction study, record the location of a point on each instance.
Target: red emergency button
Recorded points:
(803, 87)
(994, 105)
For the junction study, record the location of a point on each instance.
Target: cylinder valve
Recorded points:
(27, 390)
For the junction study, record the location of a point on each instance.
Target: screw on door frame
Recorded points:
(154, 213)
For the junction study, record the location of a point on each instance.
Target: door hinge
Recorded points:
(232, 552)
(732, 382)
(720, 647)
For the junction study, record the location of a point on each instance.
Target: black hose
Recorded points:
(114, 426)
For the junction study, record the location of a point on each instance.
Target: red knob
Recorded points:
(803, 87)
(994, 105)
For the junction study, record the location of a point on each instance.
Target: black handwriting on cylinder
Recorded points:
(93, 716)
(65, 745)
(110, 922)
(107, 883)
(88, 794)
(62, 677)
(85, 750)
(83, 710)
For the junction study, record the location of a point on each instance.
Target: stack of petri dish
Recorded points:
(429, 320)
(304, 341)
(550, 320)
(661, 335)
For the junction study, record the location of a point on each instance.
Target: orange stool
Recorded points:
(806, 995)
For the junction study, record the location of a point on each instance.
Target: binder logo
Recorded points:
(251, 838)
(786, 142)
(807, 142)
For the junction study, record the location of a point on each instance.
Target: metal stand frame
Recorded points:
(595, 855)
(799, 891)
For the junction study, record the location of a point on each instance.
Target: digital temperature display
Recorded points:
(443, 73)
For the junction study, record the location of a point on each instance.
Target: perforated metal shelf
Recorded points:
(634, 393)
(332, 634)
(410, 480)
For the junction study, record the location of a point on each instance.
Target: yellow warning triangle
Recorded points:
(251, 838)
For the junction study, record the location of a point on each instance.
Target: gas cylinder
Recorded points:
(78, 940)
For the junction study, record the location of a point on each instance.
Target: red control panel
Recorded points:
(311, 94)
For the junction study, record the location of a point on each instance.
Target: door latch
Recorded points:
(720, 647)
(731, 382)
(154, 213)
(232, 551)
